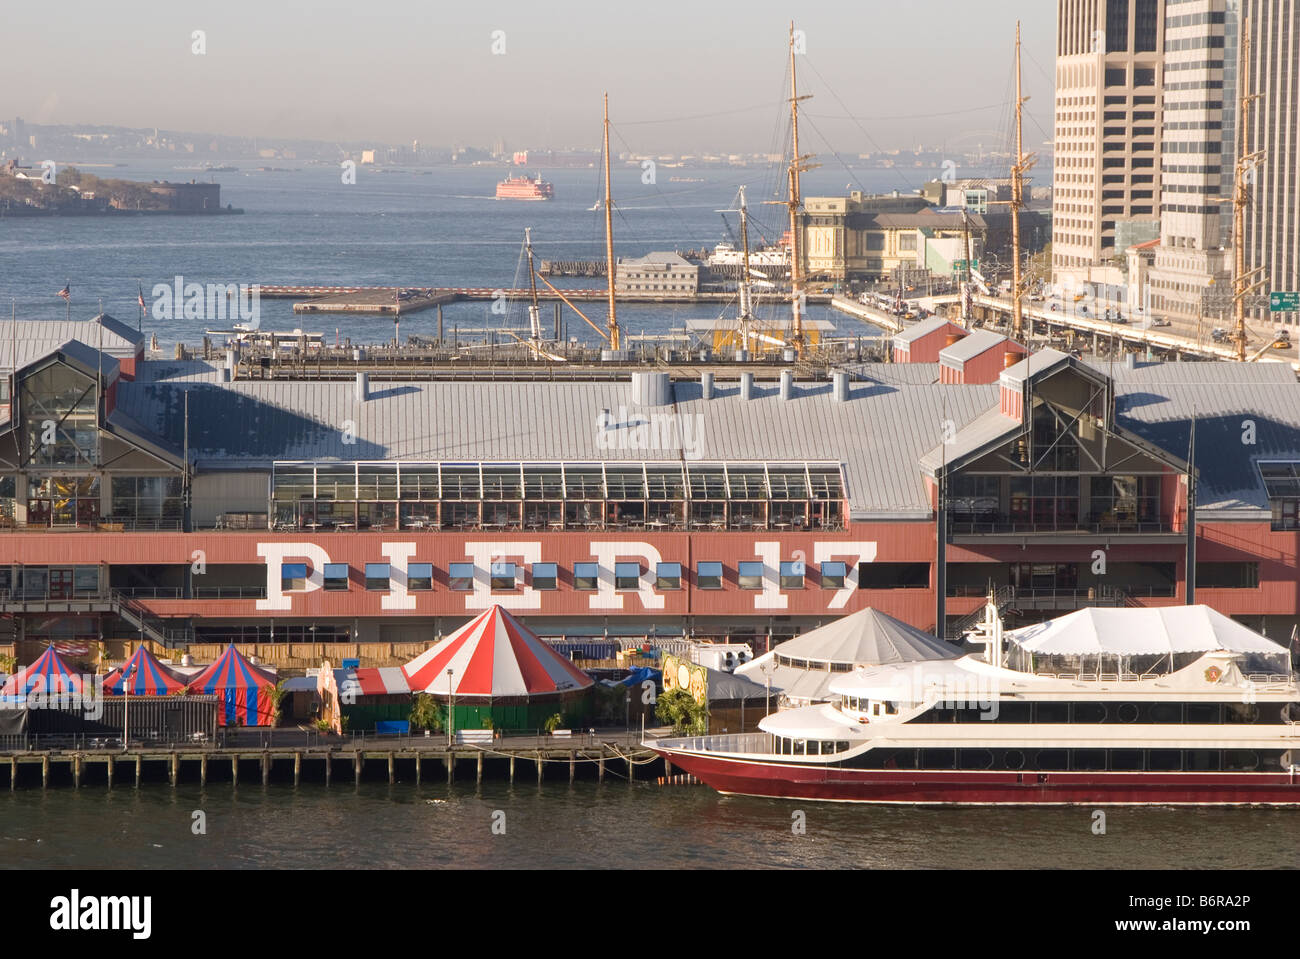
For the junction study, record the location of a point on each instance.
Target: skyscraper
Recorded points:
(1197, 158)
(1272, 236)
(1109, 77)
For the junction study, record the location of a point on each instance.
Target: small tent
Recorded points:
(148, 677)
(49, 675)
(242, 690)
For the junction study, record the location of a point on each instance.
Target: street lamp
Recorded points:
(127, 670)
(451, 709)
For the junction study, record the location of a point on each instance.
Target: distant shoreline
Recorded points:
(110, 213)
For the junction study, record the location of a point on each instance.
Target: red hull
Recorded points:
(911, 786)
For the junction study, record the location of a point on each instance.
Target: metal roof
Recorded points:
(969, 347)
(23, 342)
(984, 432)
(878, 435)
(924, 328)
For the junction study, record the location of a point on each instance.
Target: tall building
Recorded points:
(1109, 78)
(1272, 237)
(1191, 260)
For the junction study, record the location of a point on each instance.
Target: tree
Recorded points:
(678, 707)
(426, 713)
(276, 695)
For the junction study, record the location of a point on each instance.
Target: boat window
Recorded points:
(1164, 760)
(891, 709)
(1204, 713)
(875, 709)
(1053, 759)
(1128, 712)
(1166, 713)
(1089, 712)
(1089, 759)
(1126, 760)
(1240, 759)
(1241, 713)
(938, 759)
(1051, 712)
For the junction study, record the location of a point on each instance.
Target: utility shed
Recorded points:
(978, 358)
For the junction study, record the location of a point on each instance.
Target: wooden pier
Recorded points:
(330, 765)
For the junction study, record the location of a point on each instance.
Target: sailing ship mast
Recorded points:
(614, 337)
(798, 164)
(1241, 197)
(746, 306)
(1018, 170)
(534, 314)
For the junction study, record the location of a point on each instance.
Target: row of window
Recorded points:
(586, 576)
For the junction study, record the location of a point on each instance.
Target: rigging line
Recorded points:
(696, 116)
(655, 184)
(908, 116)
(836, 155)
(870, 139)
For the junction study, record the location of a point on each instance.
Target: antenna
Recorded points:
(610, 266)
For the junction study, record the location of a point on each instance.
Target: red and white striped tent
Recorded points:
(493, 655)
(381, 681)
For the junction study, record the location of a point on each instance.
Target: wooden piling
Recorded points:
(176, 768)
(631, 772)
(539, 767)
(329, 766)
(356, 768)
(203, 770)
(573, 765)
(668, 767)
(139, 767)
(266, 769)
(512, 768)
(45, 771)
(297, 767)
(108, 765)
(417, 769)
(391, 777)
(600, 767)
(76, 772)
(450, 759)
(234, 769)
(478, 773)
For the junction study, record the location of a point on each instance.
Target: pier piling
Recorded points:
(512, 768)
(478, 773)
(45, 772)
(203, 771)
(356, 768)
(539, 767)
(600, 768)
(76, 772)
(573, 765)
(450, 760)
(108, 766)
(297, 768)
(417, 769)
(234, 770)
(139, 768)
(266, 769)
(391, 776)
(175, 768)
(329, 766)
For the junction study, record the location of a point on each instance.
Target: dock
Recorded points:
(401, 300)
(406, 759)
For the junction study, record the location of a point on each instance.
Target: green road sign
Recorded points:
(1284, 303)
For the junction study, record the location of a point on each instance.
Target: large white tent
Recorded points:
(802, 668)
(1112, 636)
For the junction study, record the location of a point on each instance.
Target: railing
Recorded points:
(758, 743)
(230, 592)
(151, 592)
(1007, 524)
(1001, 597)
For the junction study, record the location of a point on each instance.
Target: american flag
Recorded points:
(140, 298)
(66, 292)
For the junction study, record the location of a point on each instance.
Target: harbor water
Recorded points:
(610, 825)
(440, 227)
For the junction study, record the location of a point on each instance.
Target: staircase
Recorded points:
(159, 630)
(1002, 598)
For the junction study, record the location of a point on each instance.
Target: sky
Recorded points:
(682, 77)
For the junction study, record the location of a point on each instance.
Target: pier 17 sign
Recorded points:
(623, 574)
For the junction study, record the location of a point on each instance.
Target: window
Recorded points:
(668, 576)
(293, 576)
(377, 576)
(503, 576)
(833, 575)
(419, 576)
(545, 575)
(460, 576)
(627, 575)
(1227, 575)
(586, 575)
(336, 575)
(792, 574)
(708, 576)
(751, 575)
(894, 576)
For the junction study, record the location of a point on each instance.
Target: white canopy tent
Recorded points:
(1145, 640)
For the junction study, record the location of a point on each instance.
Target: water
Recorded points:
(441, 227)
(610, 825)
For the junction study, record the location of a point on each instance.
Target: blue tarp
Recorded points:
(642, 673)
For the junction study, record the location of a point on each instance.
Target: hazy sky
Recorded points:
(394, 70)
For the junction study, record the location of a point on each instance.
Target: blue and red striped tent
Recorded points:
(148, 677)
(241, 688)
(48, 675)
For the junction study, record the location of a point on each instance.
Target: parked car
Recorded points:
(1219, 334)
(1161, 321)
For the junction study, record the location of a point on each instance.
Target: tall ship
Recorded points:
(525, 188)
(1176, 706)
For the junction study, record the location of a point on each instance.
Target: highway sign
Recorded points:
(1215, 301)
(1284, 303)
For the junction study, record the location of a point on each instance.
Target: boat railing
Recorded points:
(759, 743)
